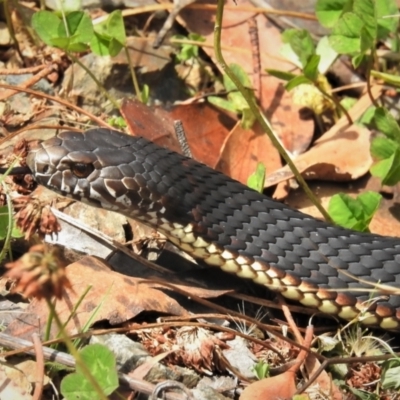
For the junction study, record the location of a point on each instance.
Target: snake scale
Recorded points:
(219, 220)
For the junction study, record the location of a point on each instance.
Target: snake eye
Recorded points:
(81, 170)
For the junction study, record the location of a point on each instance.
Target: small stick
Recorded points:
(177, 7)
(255, 51)
(182, 139)
(37, 395)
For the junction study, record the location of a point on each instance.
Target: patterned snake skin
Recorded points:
(226, 224)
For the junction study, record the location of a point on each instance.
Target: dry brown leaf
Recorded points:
(154, 125)
(242, 151)
(343, 157)
(143, 54)
(206, 130)
(14, 384)
(275, 102)
(341, 154)
(143, 369)
(324, 380)
(280, 387)
(123, 298)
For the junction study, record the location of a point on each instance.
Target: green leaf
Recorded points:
(145, 94)
(386, 26)
(388, 170)
(390, 378)
(189, 51)
(361, 394)
(80, 26)
(328, 12)
(60, 42)
(16, 232)
(248, 118)
(109, 35)
(262, 370)
(116, 27)
(287, 52)
(114, 47)
(222, 103)
(100, 361)
(70, 46)
(3, 222)
(385, 123)
(357, 60)
(238, 101)
(241, 75)
(311, 68)
(365, 9)
(345, 38)
(367, 117)
(256, 180)
(99, 45)
(299, 80)
(388, 78)
(117, 121)
(45, 24)
(366, 40)
(327, 55)
(301, 42)
(354, 213)
(348, 102)
(70, 34)
(286, 76)
(382, 148)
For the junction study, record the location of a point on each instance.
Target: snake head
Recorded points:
(70, 173)
(100, 167)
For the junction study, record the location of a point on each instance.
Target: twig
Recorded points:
(133, 74)
(255, 51)
(289, 318)
(178, 5)
(182, 139)
(50, 354)
(37, 394)
(212, 7)
(22, 71)
(58, 100)
(31, 81)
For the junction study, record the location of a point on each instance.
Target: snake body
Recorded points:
(219, 220)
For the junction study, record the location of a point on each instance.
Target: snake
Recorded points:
(334, 270)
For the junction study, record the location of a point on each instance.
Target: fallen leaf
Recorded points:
(324, 381)
(280, 387)
(155, 125)
(14, 384)
(143, 54)
(340, 154)
(343, 157)
(294, 130)
(243, 149)
(123, 299)
(143, 369)
(206, 130)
